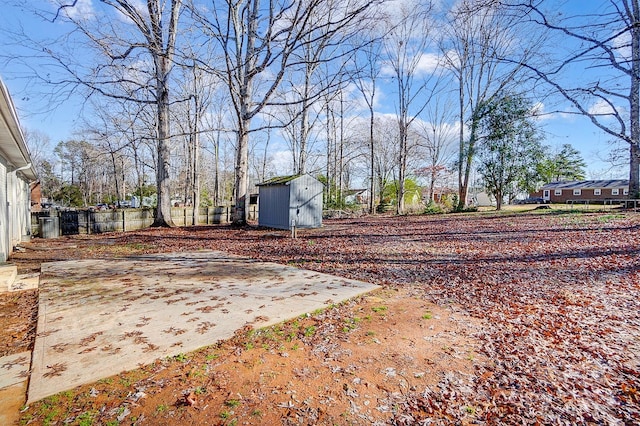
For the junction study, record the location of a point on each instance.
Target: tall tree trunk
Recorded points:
(304, 128)
(242, 179)
(163, 211)
(634, 100)
(402, 166)
(462, 186)
(196, 173)
(372, 185)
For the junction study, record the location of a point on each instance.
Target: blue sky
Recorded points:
(61, 123)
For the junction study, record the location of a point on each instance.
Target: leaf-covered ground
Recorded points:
(545, 307)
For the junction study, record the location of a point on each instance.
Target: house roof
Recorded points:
(354, 191)
(12, 145)
(588, 184)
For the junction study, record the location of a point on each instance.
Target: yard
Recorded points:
(518, 318)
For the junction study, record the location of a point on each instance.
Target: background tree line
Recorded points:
(197, 101)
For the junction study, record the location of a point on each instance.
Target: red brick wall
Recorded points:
(586, 194)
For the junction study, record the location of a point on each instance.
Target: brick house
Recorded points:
(591, 190)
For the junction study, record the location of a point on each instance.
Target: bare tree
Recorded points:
(413, 71)
(437, 136)
(259, 39)
(484, 46)
(368, 69)
(133, 52)
(605, 41)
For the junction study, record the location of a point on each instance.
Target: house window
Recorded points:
(597, 192)
(615, 191)
(557, 192)
(577, 192)
(625, 192)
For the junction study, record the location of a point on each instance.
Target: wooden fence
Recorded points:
(51, 224)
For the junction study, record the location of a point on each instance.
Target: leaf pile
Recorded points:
(560, 294)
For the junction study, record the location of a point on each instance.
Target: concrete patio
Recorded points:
(100, 317)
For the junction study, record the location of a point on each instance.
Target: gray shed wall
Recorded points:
(274, 206)
(299, 199)
(306, 202)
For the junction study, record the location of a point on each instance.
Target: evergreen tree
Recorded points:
(509, 148)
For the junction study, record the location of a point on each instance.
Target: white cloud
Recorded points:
(425, 63)
(601, 107)
(81, 10)
(139, 6)
(428, 63)
(622, 46)
(281, 162)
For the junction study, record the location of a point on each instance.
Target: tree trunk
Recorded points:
(634, 100)
(499, 197)
(462, 186)
(196, 173)
(402, 168)
(163, 210)
(240, 212)
(372, 187)
(467, 162)
(432, 185)
(634, 171)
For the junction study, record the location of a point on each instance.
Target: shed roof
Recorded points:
(279, 180)
(588, 184)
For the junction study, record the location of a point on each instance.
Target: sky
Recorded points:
(62, 122)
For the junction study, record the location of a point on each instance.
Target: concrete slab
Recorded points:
(8, 274)
(14, 369)
(25, 282)
(100, 317)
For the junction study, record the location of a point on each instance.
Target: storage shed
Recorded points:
(286, 200)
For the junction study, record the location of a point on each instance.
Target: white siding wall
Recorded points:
(4, 219)
(19, 208)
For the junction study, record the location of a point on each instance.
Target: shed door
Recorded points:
(5, 228)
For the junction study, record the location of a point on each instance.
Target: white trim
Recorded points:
(557, 192)
(615, 191)
(577, 192)
(597, 191)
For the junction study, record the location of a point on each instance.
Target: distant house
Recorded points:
(290, 200)
(592, 190)
(483, 199)
(357, 196)
(440, 194)
(16, 174)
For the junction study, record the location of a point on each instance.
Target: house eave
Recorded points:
(12, 144)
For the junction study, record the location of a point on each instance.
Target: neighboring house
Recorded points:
(440, 194)
(290, 200)
(36, 196)
(483, 199)
(16, 174)
(357, 196)
(591, 190)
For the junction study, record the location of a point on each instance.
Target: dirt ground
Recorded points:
(528, 318)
